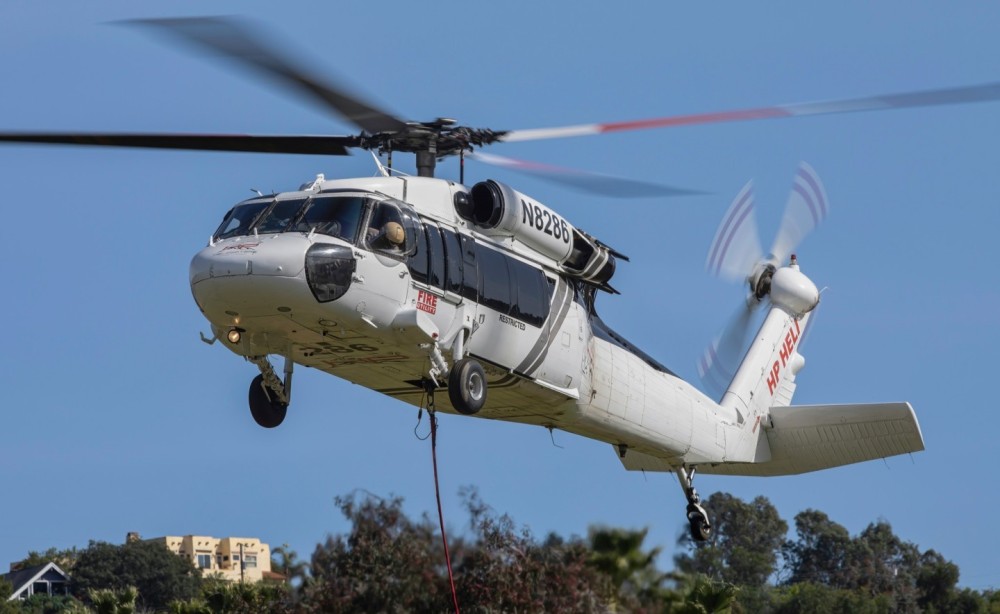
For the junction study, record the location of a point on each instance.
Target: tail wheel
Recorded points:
(266, 412)
(700, 530)
(467, 386)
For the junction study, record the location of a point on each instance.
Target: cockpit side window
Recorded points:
(335, 216)
(392, 229)
(240, 218)
(279, 216)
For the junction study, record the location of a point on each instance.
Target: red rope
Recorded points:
(437, 493)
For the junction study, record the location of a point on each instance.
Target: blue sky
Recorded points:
(117, 418)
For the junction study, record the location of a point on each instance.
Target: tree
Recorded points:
(618, 554)
(286, 561)
(64, 558)
(821, 554)
(159, 575)
(745, 542)
(113, 601)
(507, 570)
(386, 563)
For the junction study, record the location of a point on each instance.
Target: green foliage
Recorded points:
(64, 558)
(745, 542)
(159, 575)
(112, 601)
(390, 563)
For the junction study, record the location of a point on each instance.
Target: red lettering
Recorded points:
(772, 380)
(427, 302)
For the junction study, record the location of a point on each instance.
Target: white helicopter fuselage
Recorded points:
(387, 282)
(551, 364)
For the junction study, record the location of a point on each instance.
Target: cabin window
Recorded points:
(427, 263)
(494, 280)
(532, 293)
(240, 218)
(280, 216)
(435, 252)
(334, 216)
(470, 281)
(454, 262)
(512, 287)
(419, 261)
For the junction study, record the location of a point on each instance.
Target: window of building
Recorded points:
(40, 588)
(205, 561)
(250, 561)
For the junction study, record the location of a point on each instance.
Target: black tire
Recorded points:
(467, 386)
(700, 530)
(265, 412)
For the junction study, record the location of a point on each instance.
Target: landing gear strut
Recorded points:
(268, 395)
(701, 528)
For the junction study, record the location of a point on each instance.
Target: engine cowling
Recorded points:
(498, 210)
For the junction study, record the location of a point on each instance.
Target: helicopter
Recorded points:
(407, 285)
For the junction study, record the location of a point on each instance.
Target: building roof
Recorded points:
(23, 578)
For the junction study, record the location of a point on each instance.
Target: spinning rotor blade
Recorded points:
(583, 181)
(237, 41)
(923, 98)
(735, 250)
(325, 145)
(806, 208)
(718, 364)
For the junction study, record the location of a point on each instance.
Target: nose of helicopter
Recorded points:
(247, 275)
(275, 255)
(267, 276)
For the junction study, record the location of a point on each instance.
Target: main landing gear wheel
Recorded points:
(266, 412)
(467, 386)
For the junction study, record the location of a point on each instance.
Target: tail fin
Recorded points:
(764, 379)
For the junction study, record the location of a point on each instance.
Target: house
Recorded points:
(47, 579)
(237, 559)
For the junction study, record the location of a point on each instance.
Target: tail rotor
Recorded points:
(736, 255)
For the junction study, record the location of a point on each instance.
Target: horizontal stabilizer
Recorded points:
(813, 437)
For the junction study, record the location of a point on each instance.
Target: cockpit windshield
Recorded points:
(240, 218)
(333, 215)
(279, 217)
(336, 216)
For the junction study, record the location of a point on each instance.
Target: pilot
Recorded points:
(390, 238)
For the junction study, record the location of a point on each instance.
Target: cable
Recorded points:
(437, 493)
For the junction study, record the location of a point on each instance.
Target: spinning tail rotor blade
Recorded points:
(718, 364)
(583, 181)
(237, 41)
(806, 208)
(736, 246)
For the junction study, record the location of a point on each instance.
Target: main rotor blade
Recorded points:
(238, 41)
(923, 98)
(584, 181)
(316, 145)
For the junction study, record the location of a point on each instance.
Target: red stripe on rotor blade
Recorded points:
(701, 118)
